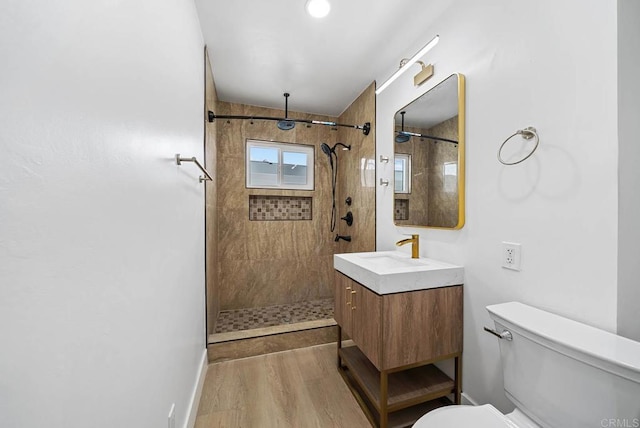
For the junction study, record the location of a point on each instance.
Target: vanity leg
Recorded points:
(339, 346)
(458, 379)
(384, 396)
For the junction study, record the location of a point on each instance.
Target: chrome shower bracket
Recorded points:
(206, 177)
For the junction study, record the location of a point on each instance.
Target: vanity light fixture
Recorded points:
(318, 8)
(427, 70)
(424, 74)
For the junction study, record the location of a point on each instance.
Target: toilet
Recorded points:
(559, 373)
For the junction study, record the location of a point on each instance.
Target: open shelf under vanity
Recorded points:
(409, 393)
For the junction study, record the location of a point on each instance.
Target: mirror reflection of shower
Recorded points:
(331, 153)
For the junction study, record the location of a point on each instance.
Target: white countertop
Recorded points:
(386, 272)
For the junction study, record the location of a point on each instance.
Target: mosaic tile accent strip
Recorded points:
(250, 318)
(271, 208)
(401, 209)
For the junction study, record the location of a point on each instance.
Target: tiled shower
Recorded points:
(270, 251)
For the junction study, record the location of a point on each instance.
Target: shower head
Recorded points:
(344, 147)
(329, 152)
(402, 137)
(286, 125)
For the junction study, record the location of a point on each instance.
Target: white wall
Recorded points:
(101, 234)
(629, 159)
(546, 64)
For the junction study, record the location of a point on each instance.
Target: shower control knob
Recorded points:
(348, 200)
(348, 218)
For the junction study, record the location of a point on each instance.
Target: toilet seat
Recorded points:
(485, 416)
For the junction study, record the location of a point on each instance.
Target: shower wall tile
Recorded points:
(270, 240)
(307, 242)
(443, 204)
(232, 236)
(271, 262)
(233, 281)
(231, 176)
(228, 130)
(325, 276)
(352, 173)
(306, 132)
(275, 281)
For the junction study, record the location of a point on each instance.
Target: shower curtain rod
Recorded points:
(366, 128)
(415, 134)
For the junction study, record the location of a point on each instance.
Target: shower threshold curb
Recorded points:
(268, 331)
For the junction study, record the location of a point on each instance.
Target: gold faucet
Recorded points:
(415, 245)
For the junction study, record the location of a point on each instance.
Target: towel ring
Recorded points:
(526, 133)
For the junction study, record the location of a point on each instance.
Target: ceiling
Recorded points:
(261, 49)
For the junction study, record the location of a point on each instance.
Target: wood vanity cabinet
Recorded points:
(398, 337)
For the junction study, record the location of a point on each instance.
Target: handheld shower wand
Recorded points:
(331, 152)
(327, 151)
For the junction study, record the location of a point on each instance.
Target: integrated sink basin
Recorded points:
(386, 272)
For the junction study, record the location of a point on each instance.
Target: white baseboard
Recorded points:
(190, 420)
(465, 399)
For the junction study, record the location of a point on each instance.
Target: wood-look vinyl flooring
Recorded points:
(298, 389)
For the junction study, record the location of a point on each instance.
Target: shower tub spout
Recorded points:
(343, 237)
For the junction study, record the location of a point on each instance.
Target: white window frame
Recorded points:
(305, 149)
(406, 172)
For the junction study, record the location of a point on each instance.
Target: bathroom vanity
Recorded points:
(402, 315)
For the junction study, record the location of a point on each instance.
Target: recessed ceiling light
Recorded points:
(318, 8)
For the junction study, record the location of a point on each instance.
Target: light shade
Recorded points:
(409, 63)
(318, 8)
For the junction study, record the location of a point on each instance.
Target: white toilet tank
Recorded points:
(565, 374)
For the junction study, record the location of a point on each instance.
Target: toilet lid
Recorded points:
(485, 416)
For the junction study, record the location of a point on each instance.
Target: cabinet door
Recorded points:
(342, 311)
(421, 325)
(367, 316)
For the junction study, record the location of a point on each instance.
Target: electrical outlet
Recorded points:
(511, 256)
(172, 416)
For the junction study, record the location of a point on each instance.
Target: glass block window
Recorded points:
(279, 165)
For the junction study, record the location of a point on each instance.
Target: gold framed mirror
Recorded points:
(429, 161)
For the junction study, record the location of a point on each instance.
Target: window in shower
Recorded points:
(402, 173)
(279, 165)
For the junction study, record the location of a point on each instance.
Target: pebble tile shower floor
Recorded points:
(247, 319)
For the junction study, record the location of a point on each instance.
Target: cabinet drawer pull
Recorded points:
(353, 307)
(346, 297)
